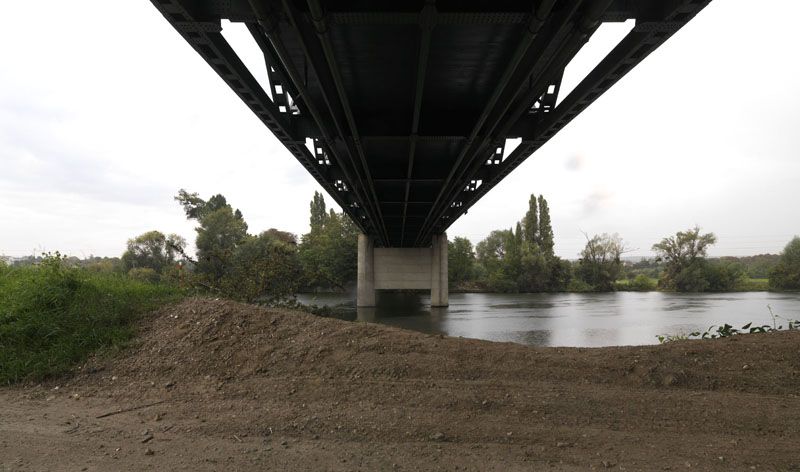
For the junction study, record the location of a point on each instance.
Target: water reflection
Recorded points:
(568, 319)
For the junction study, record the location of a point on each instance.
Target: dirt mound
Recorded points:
(225, 341)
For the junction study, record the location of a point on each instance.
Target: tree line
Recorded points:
(231, 261)
(521, 259)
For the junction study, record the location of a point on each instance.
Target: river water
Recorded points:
(568, 319)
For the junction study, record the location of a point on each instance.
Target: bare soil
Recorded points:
(245, 388)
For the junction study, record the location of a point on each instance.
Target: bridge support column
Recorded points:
(440, 294)
(365, 290)
(402, 268)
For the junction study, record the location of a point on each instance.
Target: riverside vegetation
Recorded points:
(53, 316)
(56, 310)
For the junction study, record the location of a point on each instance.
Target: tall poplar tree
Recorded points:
(530, 223)
(546, 242)
(318, 213)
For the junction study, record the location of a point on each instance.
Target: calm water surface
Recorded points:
(568, 319)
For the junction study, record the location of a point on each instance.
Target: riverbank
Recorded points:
(234, 386)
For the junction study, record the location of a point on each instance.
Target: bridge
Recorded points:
(407, 113)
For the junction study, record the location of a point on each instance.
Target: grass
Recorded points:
(641, 283)
(53, 317)
(749, 284)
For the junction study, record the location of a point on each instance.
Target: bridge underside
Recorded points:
(402, 110)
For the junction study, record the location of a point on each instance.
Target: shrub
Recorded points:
(642, 283)
(786, 275)
(578, 285)
(53, 316)
(144, 274)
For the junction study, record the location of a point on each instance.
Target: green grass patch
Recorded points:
(640, 283)
(749, 284)
(53, 317)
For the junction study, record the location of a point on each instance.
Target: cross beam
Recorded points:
(407, 139)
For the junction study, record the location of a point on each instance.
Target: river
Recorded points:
(568, 319)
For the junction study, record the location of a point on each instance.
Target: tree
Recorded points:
(329, 252)
(492, 250)
(522, 258)
(531, 222)
(723, 275)
(786, 275)
(152, 250)
(600, 264)
(318, 213)
(460, 261)
(546, 239)
(560, 274)
(684, 257)
(263, 267)
(235, 263)
(219, 235)
(493, 256)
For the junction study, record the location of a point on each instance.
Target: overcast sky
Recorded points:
(105, 112)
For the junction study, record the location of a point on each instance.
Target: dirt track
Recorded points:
(245, 388)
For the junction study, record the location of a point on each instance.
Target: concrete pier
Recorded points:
(402, 269)
(440, 294)
(365, 290)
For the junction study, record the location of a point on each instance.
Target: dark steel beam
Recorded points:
(445, 18)
(315, 55)
(206, 38)
(277, 58)
(334, 65)
(578, 31)
(427, 19)
(537, 20)
(320, 24)
(645, 37)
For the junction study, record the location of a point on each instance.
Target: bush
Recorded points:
(52, 316)
(578, 285)
(640, 283)
(144, 274)
(786, 275)
(723, 276)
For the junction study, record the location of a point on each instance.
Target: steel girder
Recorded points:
(409, 104)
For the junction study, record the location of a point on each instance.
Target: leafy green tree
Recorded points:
(522, 259)
(786, 275)
(546, 238)
(534, 273)
(561, 274)
(460, 261)
(318, 213)
(600, 264)
(235, 263)
(723, 276)
(152, 250)
(493, 257)
(263, 267)
(329, 252)
(684, 256)
(530, 223)
(219, 235)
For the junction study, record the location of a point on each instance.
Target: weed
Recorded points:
(53, 316)
(727, 330)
